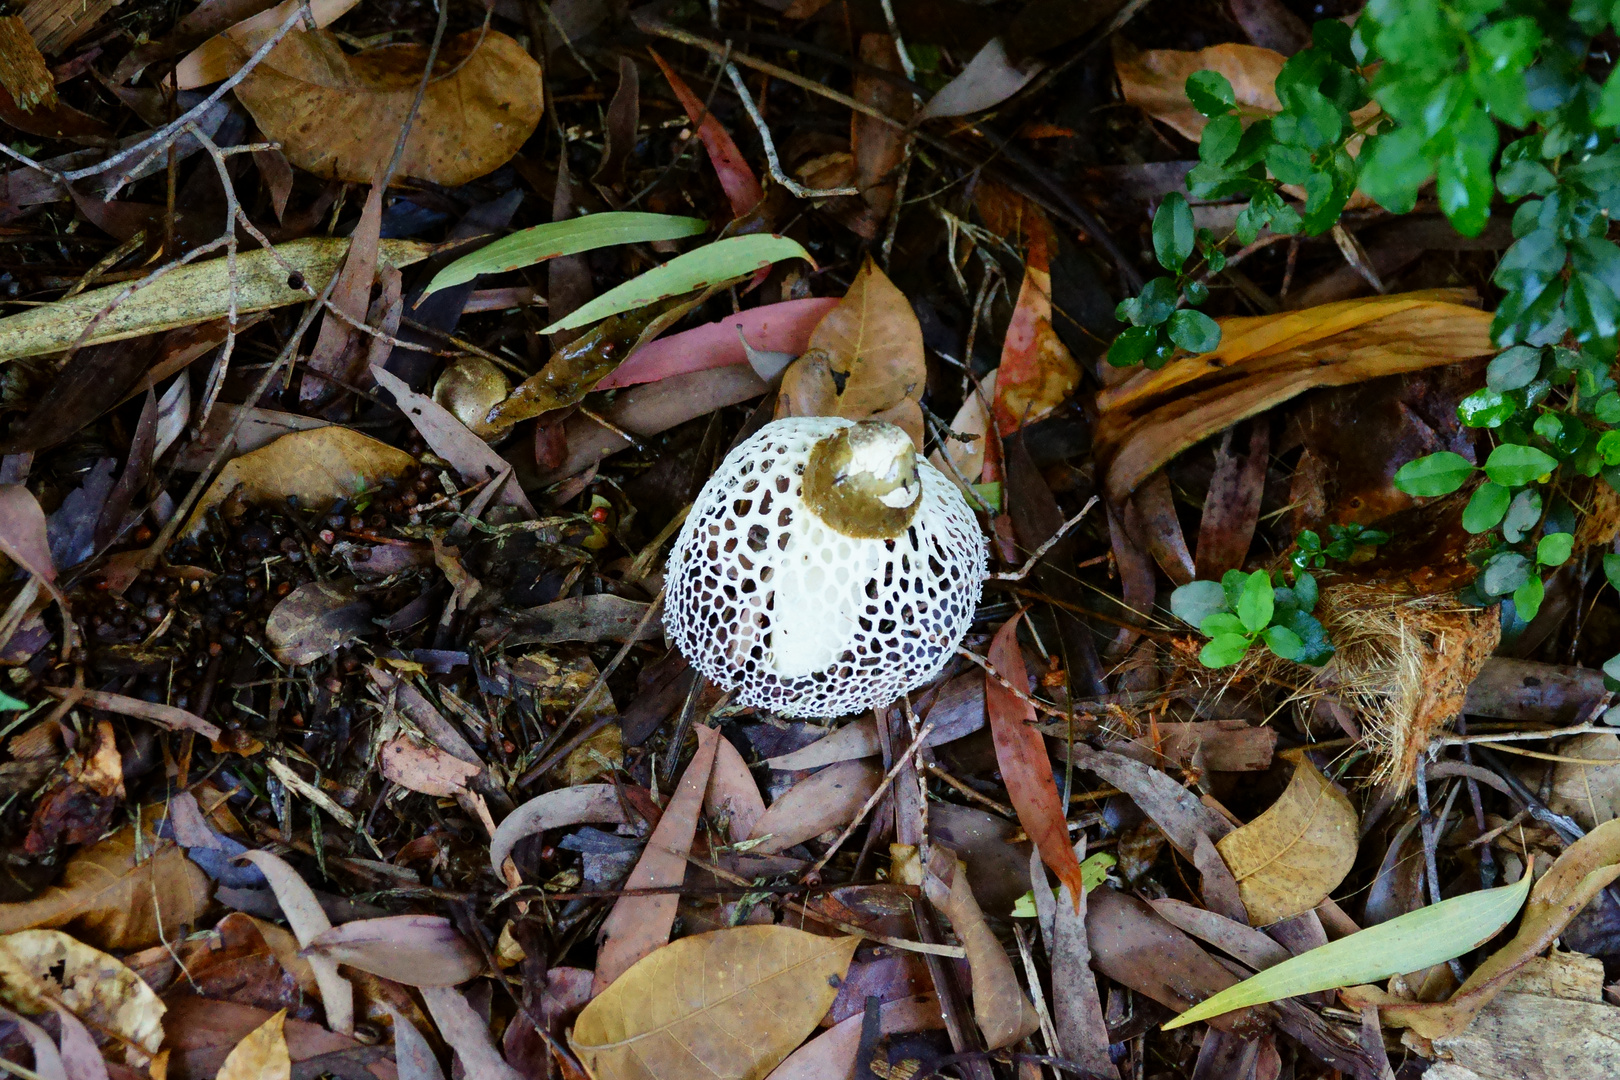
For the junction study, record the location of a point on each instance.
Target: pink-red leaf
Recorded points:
(1025, 767)
(736, 178)
(785, 327)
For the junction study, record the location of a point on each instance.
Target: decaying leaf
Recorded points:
(864, 360)
(1037, 374)
(826, 800)
(579, 805)
(220, 56)
(1021, 753)
(338, 115)
(1265, 360)
(1588, 793)
(736, 178)
(318, 466)
(261, 1056)
(832, 1054)
(1291, 857)
(467, 1033)
(737, 1000)
(38, 967)
(639, 925)
(194, 293)
(114, 894)
(1156, 81)
(1000, 1007)
(732, 797)
(423, 767)
(416, 950)
(316, 620)
(308, 921)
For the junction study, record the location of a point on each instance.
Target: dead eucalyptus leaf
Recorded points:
(338, 115)
(417, 950)
(319, 466)
(1000, 1007)
(421, 766)
(864, 361)
(1291, 857)
(1156, 81)
(1588, 793)
(316, 620)
(195, 293)
(262, 1055)
(112, 893)
(736, 1000)
(1265, 360)
(38, 967)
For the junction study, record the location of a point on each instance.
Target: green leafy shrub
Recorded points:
(1241, 609)
(1485, 98)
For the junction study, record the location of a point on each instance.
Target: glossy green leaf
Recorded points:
(1211, 93)
(712, 264)
(1133, 346)
(1222, 622)
(1514, 368)
(1257, 602)
(1611, 569)
(1173, 232)
(1224, 651)
(1434, 474)
(1419, 939)
(1527, 597)
(1504, 573)
(1486, 507)
(558, 238)
(1514, 464)
(1283, 641)
(1554, 549)
(1194, 331)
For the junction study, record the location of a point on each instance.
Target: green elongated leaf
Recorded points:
(569, 237)
(1436, 474)
(1173, 231)
(1611, 569)
(1410, 942)
(723, 260)
(1257, 602)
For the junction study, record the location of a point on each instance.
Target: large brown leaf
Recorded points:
(1265, 360)
(865, 360)
(112, 894)
(338, 116)
(1291, 857)
(731, 1004)
(319, 466)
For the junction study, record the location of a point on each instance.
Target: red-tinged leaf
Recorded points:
(785, 327)
(736, 178)
(732, 796)
(1025, 767)
(637, 925)
(1037, 374)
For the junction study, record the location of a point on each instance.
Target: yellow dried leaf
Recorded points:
(729, 1004)
(1266, 360)
(112, 892)
(41, 966)
(864, 360)
(1291, 857)
(598, 755)
(219, 57)
(261, 1055)
(195, 293)
(319, 466)
(338, 116)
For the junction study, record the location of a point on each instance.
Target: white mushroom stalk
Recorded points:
(824, 569)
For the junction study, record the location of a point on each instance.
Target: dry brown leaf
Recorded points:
(1000, 1007)
(864, 362)
(1265, 360)
(639, 925)
(732, 797)
(262, 1055)
(219, 57)
(38, 967)
(316, 620)
(319, 466)
(585, 804)
(1588, 793)
(1584, 868)
(1291, 857)
(735, 1000)
(308, 920)
(832, 1054)
(827, 800)
(598, 755)
(416, 950)
(423, 767)
(111, 893)
(1036, 374)
(1156, 81)
(338, 115)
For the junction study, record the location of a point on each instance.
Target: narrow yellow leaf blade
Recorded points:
(1414, 941)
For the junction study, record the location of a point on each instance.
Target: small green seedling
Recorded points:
(1241, 609)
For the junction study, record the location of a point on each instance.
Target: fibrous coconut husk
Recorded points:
(1403, 664)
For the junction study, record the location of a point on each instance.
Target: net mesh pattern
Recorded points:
(765, 599)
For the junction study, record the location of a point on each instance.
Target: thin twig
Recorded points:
(770, 147)
(1040, 552)
(872, 799)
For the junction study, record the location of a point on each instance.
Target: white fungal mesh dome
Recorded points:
(766, 599)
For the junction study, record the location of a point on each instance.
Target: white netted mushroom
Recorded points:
(824, 569)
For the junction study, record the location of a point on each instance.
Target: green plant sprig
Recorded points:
(1241, 609)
